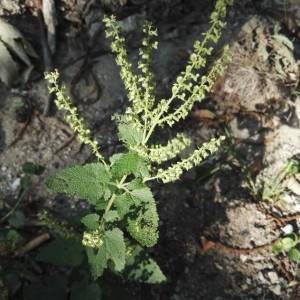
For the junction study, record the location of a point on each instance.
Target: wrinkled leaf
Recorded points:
(129, 163)
(141, 267)
(91, 221)
(115, 248)
(97, 260)
(129, 134)
(87, 182)
(111, 216)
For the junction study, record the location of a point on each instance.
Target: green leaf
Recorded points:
(115, 248)
(294, 255)
(31, 168)
(288, 243)
(97, 260)
(135, 184)
(143, 194)
(142, 222)
(129, 134)
(278, 247)
(123, 203)
(87, 182)
(140, 267)
(62, 252)
(129, 163)
(111, 216)
(85, 291)
(91, 221)
(281, 39)
(16, 219)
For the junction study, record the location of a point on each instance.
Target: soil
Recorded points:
(216, 231)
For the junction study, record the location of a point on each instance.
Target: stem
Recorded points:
(15, 206)
(112, 199)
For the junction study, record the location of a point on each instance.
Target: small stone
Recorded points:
(273, 277)
(16, 184)
(243, 257)
(276, 289)
(261, 277)
(288, 229)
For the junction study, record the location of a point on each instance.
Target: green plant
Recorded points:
(275, 189)
(277, 49)
(123, 217)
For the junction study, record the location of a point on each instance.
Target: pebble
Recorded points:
(273, 277)
(276, 289)
(16, 184)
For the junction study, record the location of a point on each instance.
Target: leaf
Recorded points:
(144, 194)
(129, 163)
(111, 216)
(33, 169)
(85, 291)
(288, 243)
(15, 41)
(139, 210)
(8, 68)
(129, 134)
(87, 182)
(62, 252)
(142, 220)
(124, 203)
(140, 267)
(17, 219)
(278, 247)
(91, 221)
(294, 255)
(281, 39)
(135, 184)
(97, 260)
(115, 248)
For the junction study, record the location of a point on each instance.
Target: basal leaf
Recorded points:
(62, 252)
(87, 182)
(97, 260)
(294, 255)
(91, 221)
(115, 248)
(129, 134)
(16, 219)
